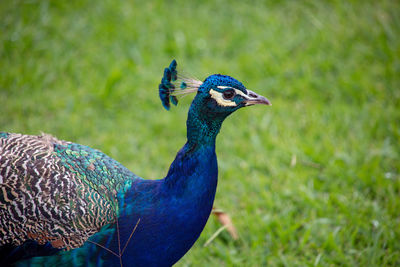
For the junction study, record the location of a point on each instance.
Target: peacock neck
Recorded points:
(202, 127)
(197, 159)
(177, 207)
(195, 165)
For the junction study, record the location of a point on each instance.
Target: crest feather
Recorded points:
(174, 84)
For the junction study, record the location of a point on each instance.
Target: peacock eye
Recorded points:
(228, 94)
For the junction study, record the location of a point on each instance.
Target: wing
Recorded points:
(55, 192)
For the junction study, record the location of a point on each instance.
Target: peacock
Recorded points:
(65, 203)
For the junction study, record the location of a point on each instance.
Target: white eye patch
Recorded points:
(217, 96)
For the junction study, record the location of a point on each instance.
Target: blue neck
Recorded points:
(199, 151)
(173, 211)
(203, 126)
(191, 167)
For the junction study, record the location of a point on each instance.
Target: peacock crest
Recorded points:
(173, 85)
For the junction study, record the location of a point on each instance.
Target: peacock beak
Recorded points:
(253, 99)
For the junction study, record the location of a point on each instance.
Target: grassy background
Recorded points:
(313, 180)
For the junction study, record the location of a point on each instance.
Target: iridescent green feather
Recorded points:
(98, 171)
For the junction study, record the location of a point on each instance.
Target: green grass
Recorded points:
(313, 180)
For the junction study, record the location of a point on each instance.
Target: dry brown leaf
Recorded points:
(226, 221)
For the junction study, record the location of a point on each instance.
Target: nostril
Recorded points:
(252, 94)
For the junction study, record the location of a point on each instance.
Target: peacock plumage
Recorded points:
(65, 203)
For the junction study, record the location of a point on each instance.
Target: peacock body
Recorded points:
(62, 202)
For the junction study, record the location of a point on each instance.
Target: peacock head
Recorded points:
(217, 96)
